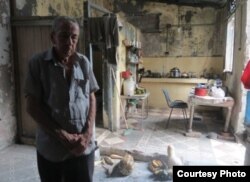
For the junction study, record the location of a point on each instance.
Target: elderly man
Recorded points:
(59, 89)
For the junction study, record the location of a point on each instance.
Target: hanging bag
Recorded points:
(245, 77)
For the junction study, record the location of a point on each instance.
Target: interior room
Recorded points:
(170, 79)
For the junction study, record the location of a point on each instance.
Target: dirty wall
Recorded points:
(48, 8)
(176, 31)
(185, 31)
(7, 96)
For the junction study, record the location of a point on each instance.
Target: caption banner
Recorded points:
(211, 173)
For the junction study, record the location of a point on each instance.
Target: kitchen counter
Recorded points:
(178, 88)
(174, 80)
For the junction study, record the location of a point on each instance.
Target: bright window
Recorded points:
(228, 67)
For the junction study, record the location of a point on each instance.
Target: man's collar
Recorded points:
(49, 56)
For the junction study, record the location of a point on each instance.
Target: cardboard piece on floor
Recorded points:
(113, 140)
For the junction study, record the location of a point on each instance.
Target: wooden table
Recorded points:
(227, 102)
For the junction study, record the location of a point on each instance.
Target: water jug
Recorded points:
(129, 86)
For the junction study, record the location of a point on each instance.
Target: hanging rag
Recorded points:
(105, 30)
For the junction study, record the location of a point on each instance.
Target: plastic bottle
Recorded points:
(129, 86)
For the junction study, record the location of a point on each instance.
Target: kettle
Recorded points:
(175, 73)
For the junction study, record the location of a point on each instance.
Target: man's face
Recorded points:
(65, 39)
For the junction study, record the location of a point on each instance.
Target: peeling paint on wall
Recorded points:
(7, 96)
(188, 16)
(4, 47)
(49, 8)
(20, 4)
(4, 35)
(26, 8)
(192, 32)
(4, 13)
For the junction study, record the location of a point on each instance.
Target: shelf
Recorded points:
(174, 80)
(133, 62)
(140, 62)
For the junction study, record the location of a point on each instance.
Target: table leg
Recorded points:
(142, 108)
(229, 111)
(142, 111)
(191, 118)
(126, 108)
(145, 108)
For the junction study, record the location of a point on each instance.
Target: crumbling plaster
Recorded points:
(7, 86)
(194, 31)
(49, 8)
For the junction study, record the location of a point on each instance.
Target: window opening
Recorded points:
(228, 67)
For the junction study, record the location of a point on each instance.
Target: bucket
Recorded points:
(200, 91)
(128, 87)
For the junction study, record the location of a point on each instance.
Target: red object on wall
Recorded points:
(245, 77)
(200, 91)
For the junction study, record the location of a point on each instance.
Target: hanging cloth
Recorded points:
(96, 30)
(105, 30)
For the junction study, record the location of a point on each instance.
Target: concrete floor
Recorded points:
(18, 162)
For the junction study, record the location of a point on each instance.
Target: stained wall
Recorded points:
(48, 8)
(7, 86)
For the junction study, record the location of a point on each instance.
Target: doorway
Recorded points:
(98, 72)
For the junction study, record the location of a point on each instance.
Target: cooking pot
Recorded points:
(175, 73)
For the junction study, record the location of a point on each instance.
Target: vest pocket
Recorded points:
(84, 84)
